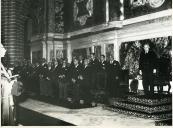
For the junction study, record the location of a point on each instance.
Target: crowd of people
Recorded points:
(59, 79)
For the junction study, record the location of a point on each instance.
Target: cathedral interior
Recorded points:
(43, 32)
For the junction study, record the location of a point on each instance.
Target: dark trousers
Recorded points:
(147, 82)
(114, 85)
(62, 89)
(101, 80)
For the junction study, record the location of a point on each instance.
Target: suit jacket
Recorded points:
(103, 66)
(86, 72)
(147, 62)
(94, 65)
(75, 72)
(114, 68)
(43, 70)
(63, 71)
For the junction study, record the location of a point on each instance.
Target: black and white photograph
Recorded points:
(96, 63)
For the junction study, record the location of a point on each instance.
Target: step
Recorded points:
(156, 116)
(142, 108)
(150, 101)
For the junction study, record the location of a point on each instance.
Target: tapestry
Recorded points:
(134, 8)
(130, 52)
(109, 50)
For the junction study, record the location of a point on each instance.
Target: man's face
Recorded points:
(111, 58)
(146, 48)
(102, 58)
(92, 56)
(165, 43)
(86, 62)
(56, 63)
(80, 58)
(64, 63)
(75, 62)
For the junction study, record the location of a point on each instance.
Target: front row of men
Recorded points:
(76, 80)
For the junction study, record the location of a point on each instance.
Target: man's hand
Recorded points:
(73, 80)
(154, 71)
(140, 72)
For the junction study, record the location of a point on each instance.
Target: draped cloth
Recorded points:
(7, 116)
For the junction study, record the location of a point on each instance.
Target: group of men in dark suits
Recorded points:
(77, 79)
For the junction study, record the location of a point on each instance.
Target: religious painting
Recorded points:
(79, 14)
(59, 54)
(85, 52)
(97, 51)
(134, 8)
(130, 52)
(114, 10)
(109, 50)
(83, 9)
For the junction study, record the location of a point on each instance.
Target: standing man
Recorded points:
(94, 63)
(55, 78)
(63, 80)
(147, 68)
(113, 77)
(102, 75)
(86, 81)
(75, 79)
(81, 61)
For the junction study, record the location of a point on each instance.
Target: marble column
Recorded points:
(13, 18)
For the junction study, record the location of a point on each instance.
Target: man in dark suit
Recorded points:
(75, 80)
(94, 63)
(102, 74)
(42, 74)
(86, 81)
(55, 73)
(81, 61)
(147, 68)
(63, 80)
(113, 77)
(35, 77)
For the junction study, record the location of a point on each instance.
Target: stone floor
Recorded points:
(95, 116)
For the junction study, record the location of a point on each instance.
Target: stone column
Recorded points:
(69, 51)
(44, 49)
(13, 19)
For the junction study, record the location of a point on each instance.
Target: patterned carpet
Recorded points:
(157, 107)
